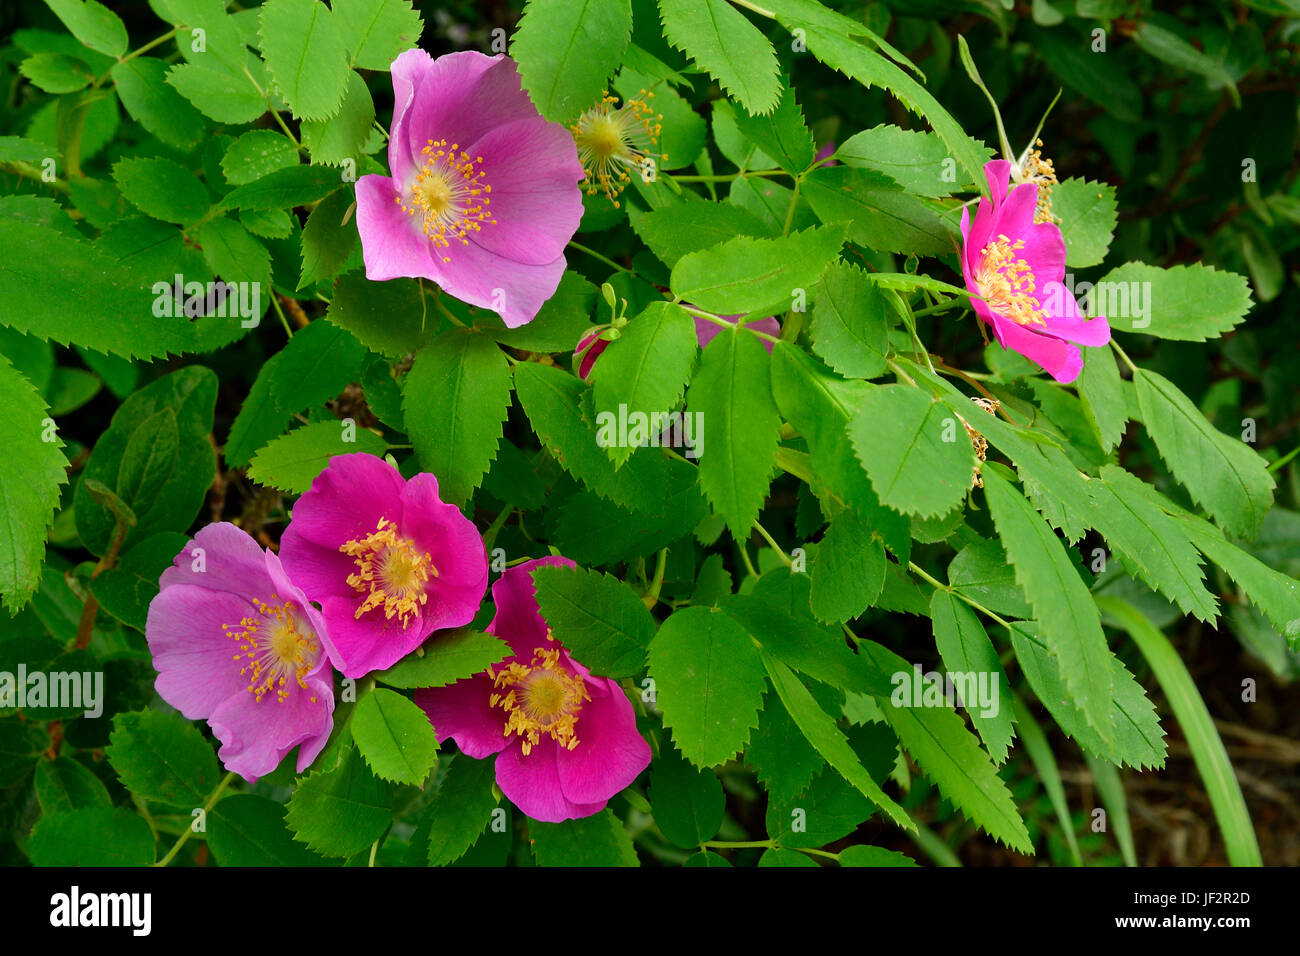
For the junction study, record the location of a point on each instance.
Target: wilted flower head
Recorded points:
(1016, 267)
(387, 560)
(566, 740)
(483, 195)
(616, 141)
(238, 645)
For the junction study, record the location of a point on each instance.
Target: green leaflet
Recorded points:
(1069, 619)
(1102, 392)
(848, 571)
(566, 51)
(732, 395)
(916, 452)
(950, 755)
(688, 803)
(721, 40)
(644, 371)
(461, 810)
(597, 617)
(376, 31)
(342, 810)
(597, 840)
(709, 683)
(1223, 474)
(850, 322)
(29, 488)
(780, 133)
(445, 658)
(742, 273)
(305, 54)
(965, 648)
(1086, 211)
(395, 737)
(292, 461)
(454, 401)
(92, 836)
(163, 758)
(1190, 303)
(248, 830)
(882, 216)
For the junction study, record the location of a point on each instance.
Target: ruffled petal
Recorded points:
(392, 245)
(460, 712)
(517, 620)
(514, 290)
(442, 531)
(532, 784)
(256, 735)
(610, 752)
(231, 560)
(345, 501)
(372, 643)
(1058, 358)
(194, 657)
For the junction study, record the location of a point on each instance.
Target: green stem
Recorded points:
(941, 307)
(794, 201)
(738, 844)
(651, 597)
(158, 41)
(775, 547)
(1122, 354)
(757, 9)
(596, 255)
(719, 320)
(1284, 459)
(184, 837)
(728, 177)
(497, 524)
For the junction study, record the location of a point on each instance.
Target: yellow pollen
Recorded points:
(1040, 171)
(539, 698)
(448, 194)
(391, 572)
(1007, 283)
(615, 140)
(275, 646)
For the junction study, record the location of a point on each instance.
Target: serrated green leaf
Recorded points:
(781, 134)
(826, 738)
(688, 803)
(721, 40)
(597, 617)
(340, 138)
(91, 836)
(126, 589)
(732, 394)
(395, 737)
(744, 275)
(216, 92)
(674, 231)
(93, 24)
(882, 216)
(454, 401)
(447, 658)
(376, 31)
(304, 53)
(783, 759)
(709, 680)
(566, 51)
(644, 372)
(1222, 473)
(597, 840)
(56, 73)
(861, 855)
(342, 810)
(1189, 303)
(249, 830)
(257, 154)
(162, 189)
(292, 462)
(328, 238)
(965, 648)
(283, 188)
(461, 810)
(916, 452)
(142, 87)
(163, 758)
(850, 322)
(1086, 212)
(848, 571)
(1101, 391)
(64, 785)
(1139, 739)
(29, 489)
(387, 317)
(315, 365)
(916, 160)
(1060, 600)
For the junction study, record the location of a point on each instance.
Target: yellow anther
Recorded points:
(391, 571)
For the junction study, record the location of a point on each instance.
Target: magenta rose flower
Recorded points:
(591, 345)
(237, 644)
(387, 560)
(1016, 266)
(566, 740)
(483, 195)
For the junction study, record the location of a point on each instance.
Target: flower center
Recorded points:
(611, 141)
(391, 572)
(1007, 283)
(276, 646)
(539, 698)
(448, 194)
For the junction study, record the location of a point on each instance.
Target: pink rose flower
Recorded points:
(235, 643)
(591, 345)
(388, 561)
(484, 192)
(1017, 267)
(566, 740)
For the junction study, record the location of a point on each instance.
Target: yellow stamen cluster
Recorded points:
(613, 140)
(448, 194)
(1042, 173)
(1007, 283)
(391, 572)
(275, 646)
(539, 698)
